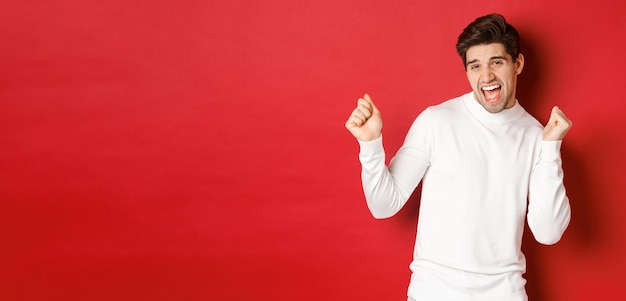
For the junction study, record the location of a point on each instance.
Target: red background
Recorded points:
(195, 150)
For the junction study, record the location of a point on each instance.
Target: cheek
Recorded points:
(472, 79)
(508, 77)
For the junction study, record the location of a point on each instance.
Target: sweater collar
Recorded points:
(507, 115)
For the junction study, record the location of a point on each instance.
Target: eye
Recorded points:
(473, 67)
(497, 63)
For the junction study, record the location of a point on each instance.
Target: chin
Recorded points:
(494, 108)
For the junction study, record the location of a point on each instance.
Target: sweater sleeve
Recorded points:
(549, 210)
(387, 189)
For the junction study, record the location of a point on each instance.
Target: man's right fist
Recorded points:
(365, 122)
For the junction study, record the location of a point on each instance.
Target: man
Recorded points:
(485, 164)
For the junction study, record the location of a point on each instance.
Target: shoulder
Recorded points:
(529, 120)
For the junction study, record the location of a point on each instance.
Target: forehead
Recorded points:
(485, 52)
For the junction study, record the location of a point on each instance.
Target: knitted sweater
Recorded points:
(482, 174)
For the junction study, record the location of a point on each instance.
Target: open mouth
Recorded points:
(491, 93)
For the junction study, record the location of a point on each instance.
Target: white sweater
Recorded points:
(479, 171)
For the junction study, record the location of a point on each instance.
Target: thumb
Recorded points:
(369, 100)
(554, 113)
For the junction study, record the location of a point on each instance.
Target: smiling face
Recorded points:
(492, 73)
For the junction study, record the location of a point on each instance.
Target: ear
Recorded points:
(519, 64)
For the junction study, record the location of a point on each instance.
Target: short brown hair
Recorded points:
(488, 29)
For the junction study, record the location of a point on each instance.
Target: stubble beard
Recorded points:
(499, 106)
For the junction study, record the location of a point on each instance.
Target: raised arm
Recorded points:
(386, 189)
(549, 210)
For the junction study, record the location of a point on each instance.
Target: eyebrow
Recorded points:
(497, 57)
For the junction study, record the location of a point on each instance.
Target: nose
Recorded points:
(487, 75)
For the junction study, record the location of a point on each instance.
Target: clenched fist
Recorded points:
(557, 126)
(365, 122)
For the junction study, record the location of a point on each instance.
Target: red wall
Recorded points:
(195, 150)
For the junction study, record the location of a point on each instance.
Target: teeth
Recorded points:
(491, 88)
